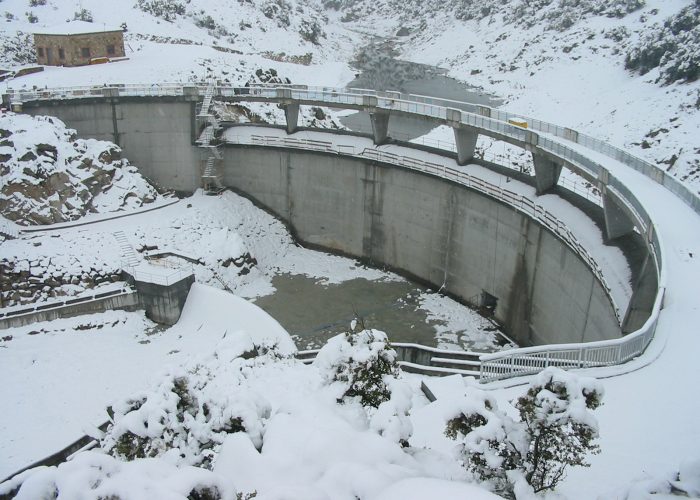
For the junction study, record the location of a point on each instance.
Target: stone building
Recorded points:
(76, 43)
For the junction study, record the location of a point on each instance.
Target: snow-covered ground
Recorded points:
(573, 77)
(123, 350)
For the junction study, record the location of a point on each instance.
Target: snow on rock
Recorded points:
(47, 266)
(102, 476)
(49, 175)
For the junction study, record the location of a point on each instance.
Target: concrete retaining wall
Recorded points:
(164, 303)
(126, 301)
(156, 134)
(440, 233)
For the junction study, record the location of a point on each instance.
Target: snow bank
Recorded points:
(244, 324)
(422, 488)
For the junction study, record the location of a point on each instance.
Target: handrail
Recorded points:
(55, 304)
(484, 119)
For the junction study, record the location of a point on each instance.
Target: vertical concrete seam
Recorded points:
(535, 271)
(588, 309)
(115, 128)
(287, 168)
(452, 207)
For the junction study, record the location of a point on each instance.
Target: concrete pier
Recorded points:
(291, 115)
(617, 223)
(380, 125)
(465, 139)
(546, 173)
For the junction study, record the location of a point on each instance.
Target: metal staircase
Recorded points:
(211, 171)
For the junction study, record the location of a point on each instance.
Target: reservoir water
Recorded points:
(379, 68)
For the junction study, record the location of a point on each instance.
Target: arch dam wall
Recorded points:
(440, 233)
(443, 234)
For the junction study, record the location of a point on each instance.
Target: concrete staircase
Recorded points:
(128, 252)
(8, 229)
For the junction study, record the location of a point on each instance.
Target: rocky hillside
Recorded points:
(280, 28)
(49, 175)
(625, 71)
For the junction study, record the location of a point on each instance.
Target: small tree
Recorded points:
(361, 366)
(556, 429)
(83, 15)
(358, 363)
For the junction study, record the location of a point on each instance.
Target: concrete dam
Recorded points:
(440, 226)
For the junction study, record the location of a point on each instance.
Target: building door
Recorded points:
(49, 57)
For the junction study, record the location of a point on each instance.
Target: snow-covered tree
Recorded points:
(359, 364)
(556, 429)
(361, 367)
(673, 47)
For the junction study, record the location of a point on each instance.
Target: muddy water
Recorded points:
(379, 68)
(313, 312)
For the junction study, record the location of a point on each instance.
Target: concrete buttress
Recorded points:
(466, 144)
(291, 114)
(380, 125)
(546, 173)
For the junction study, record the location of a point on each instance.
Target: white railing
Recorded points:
(487, 121)
(530, 360)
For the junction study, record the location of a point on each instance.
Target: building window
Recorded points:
(110, 50)
(85, 52)
(61, 54)
(40, 51)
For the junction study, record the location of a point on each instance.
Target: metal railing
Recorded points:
(57, 304)
(487, 121)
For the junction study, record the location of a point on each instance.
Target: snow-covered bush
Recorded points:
(92, 474)
(391, 419)
(556, 429)
(83, 15)
(311, 31)
(359, 365)
(192, 410)
(682, 483)
(563, 14)
(17, 48)
(167, 10)
(673, 47)
(278, 10)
